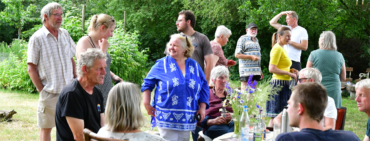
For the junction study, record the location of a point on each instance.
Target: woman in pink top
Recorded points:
(221, 38)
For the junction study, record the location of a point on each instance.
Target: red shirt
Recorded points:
(215, 103)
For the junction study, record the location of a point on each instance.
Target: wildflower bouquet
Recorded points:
(251, 96)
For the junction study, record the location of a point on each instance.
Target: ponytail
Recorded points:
(274, 39)
(281, 32)
(102, 19)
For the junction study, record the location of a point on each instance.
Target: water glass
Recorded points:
(277, 130)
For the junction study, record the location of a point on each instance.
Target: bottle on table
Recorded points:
(260, 129)
(244, 124)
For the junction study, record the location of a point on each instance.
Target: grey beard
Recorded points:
(252, 35)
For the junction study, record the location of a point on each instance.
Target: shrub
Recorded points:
(13, 70)
(127, 61)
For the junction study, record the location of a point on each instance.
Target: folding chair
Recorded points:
(91, 136)
(341, 118)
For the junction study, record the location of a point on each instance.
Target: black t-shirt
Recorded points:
(308, 134)
(75, 102)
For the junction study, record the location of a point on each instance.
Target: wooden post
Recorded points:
(83, 18)
(124, 21)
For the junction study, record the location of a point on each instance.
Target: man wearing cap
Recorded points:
(249, 53)
(298, 40)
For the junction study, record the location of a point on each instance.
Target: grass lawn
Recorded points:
(23, 126)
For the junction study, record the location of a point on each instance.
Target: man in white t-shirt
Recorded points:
(330, 113)
(298, 40)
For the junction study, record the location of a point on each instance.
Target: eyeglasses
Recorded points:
(186, 37)
(300, 79)
(57, 15)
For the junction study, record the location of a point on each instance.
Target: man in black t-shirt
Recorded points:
(80, 104)
(306, 109)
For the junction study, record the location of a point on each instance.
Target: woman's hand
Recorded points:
(202, 111)
(150, 109)
(103, 44)
(294, 76)
(228, 117)
(217, 121)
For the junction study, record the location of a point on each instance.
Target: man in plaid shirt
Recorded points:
(50, 64)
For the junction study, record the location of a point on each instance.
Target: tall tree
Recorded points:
(17, 13)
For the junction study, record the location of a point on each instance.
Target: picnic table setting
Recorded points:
(248, 114)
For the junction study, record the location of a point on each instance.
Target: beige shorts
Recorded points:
(46, 109)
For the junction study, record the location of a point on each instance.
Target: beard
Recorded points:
(253, 35)
(54, 25)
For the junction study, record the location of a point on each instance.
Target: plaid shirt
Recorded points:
(52, 57)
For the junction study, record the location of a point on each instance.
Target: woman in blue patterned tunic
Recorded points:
(181, 91)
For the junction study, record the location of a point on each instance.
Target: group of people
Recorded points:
(188, 83)
(74, 96)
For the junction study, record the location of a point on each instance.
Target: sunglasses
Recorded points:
(186, 37)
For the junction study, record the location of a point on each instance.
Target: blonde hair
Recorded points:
(328, 40)
(185, 43)
(99, 20)
(123, 112)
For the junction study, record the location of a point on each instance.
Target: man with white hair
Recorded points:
(248, 51)
(330, 113)
(299, 38)
(50, 64)
(80, 104)
(221, 38)
(363, 102)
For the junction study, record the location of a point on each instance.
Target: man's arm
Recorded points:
(102, 118)
(74, 68)
(34, 75)
(301, 46)
(242, 56)
(329, 123)
(77, 127)
(209, 67)
(274, 21)
(214, 60)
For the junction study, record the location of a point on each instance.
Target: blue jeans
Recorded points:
(215, 131)
(196, 133)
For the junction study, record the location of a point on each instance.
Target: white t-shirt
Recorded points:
(139, 136)
(331, 110)
(298, 33)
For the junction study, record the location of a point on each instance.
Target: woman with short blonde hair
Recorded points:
(181, 93)
(123, 115)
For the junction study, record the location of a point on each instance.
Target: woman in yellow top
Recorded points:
(282, 77)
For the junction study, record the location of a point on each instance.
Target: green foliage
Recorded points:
(342, 17)
(155, 21)
(71, 22)
(17, 13)
(127, 61)
(13, 70)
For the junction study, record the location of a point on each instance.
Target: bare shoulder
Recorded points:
(82, 45)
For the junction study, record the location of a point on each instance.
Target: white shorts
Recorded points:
(174, 135)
